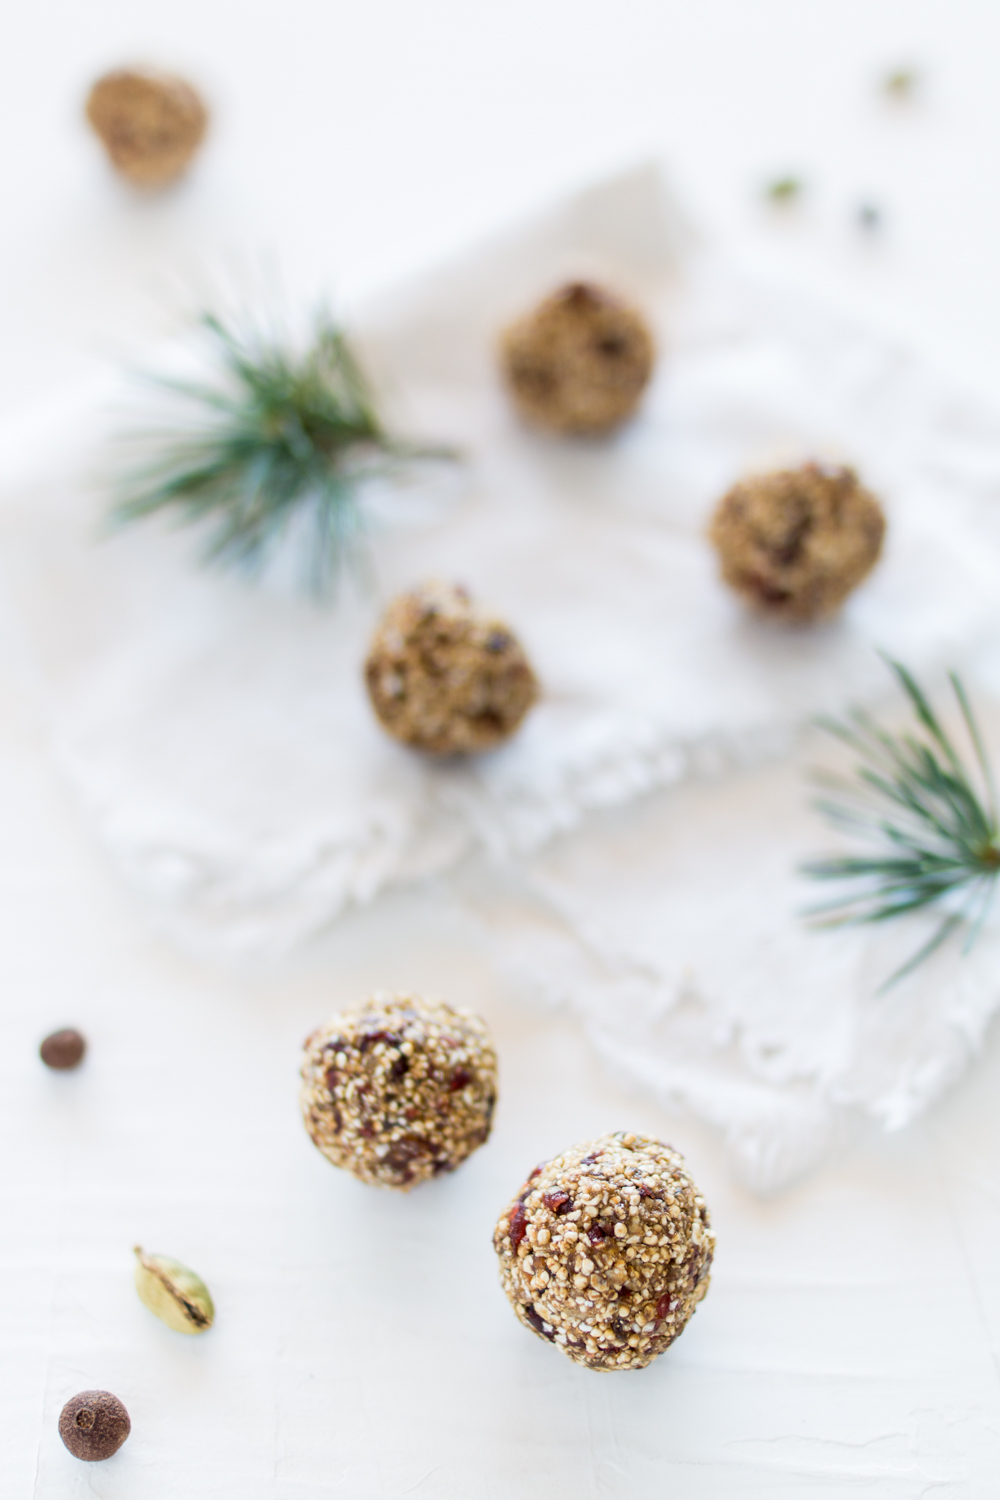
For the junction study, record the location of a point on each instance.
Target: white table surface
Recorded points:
(363, 1349)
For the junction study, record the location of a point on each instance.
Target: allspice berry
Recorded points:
(63, 1049)
(794, 543)
(445, 678)
(580, 362)
(151, 123)
(93, 1425)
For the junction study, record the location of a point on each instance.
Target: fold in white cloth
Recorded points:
(674, 932)
(221, 741)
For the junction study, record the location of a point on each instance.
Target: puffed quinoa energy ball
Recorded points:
(580, 362)
(399, 1089)
(794, 543)
(606, 1251)
(444, 678)
(151, 123)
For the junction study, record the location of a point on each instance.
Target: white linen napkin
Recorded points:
(219, 734)
(674, 932)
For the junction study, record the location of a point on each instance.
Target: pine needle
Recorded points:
(276, 436)
(935, 831)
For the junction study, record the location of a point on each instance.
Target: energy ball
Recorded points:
(151, 124)
(580, 362)
(400, 1089)
(93, 1425)
(606, 1251)
(444, 678)
(794, 543)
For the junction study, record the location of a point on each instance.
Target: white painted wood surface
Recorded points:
(849, 1343)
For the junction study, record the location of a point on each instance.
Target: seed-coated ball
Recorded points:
(93, 1425)
(443, 677)
(794, 543)
(151, 123)
(580, 362)
(399, 1089)
(63, 1049)
(606, 1251)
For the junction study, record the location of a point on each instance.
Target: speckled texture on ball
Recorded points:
(400, 1089)
(93, 1425)
(444, 678)
(151, 123)
(606, 1251)
(794, 543)
(580, 362)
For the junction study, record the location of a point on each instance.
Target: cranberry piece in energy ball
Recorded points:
(794, 543)
(93, 1425)
(606, 1251)
(444, 677)
(63, 1049)
(399, 1089)
(579, 362)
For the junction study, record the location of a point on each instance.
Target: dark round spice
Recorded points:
(93, 1425)
(63, 1049)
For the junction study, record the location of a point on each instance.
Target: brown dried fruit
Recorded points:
(580, 362)
(518, 1222)
(537, 1323)
(794, 543)
(93, 1425)
(559, 1202)
(444, 678)
(404, 1152)
(63, 1049)
(371, 1037)
(151, 123)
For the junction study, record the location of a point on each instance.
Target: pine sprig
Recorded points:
(935, 830)
(276, 436)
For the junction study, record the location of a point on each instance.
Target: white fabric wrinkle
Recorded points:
(221, 742)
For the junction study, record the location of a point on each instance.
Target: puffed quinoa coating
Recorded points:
(444, 678)
(579, 362)
(794, 543)
(399, 1089)
(606, 1251)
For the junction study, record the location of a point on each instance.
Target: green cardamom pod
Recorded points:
(173, 1292)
